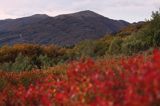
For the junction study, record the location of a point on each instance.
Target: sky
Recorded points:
(129, 10)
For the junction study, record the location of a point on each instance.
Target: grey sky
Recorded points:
(129, 10)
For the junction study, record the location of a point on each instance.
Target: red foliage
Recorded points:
(125, 82)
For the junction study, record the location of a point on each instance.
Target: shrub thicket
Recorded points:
(115, 46)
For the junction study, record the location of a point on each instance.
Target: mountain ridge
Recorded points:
(66, 29)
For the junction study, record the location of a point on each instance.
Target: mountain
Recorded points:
(65, 30)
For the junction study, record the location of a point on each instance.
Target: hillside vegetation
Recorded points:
(133, 39)
(118, 70)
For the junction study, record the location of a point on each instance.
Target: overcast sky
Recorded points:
(129, 10)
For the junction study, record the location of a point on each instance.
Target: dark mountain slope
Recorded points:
(67, 29)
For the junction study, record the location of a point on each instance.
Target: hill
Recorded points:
(67, 29)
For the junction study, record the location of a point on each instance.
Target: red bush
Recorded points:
(124, 82)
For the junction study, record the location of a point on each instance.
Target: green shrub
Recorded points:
(152, 31)
(6, 66)
(155, 21)
(85, 49)
(100, 48)
(132, 47)
(45, 61)
(21, 63)
(115, 46)
(156, 38)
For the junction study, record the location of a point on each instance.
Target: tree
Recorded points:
(155, 21)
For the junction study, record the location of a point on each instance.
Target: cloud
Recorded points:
(130, 10)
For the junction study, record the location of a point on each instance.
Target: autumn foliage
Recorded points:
(132, 81)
